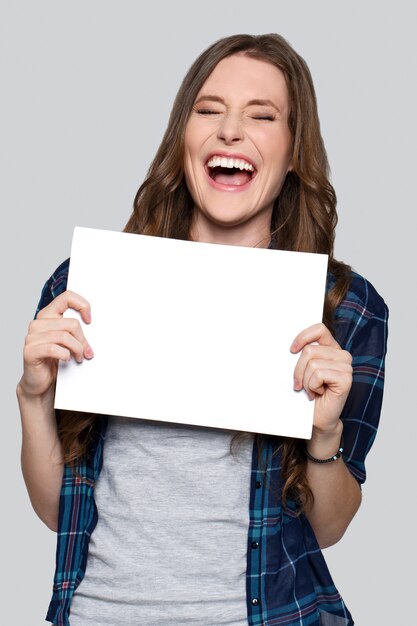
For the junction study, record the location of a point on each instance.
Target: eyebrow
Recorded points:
(256, 101)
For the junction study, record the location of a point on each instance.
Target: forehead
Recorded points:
(244, 78)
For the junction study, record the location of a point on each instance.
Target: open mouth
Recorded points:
(230, 171)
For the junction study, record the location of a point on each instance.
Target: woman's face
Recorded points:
(237, 148)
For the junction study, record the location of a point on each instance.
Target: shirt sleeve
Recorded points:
(56, 284)
(367, 343)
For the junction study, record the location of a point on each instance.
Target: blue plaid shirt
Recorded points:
(288, 582)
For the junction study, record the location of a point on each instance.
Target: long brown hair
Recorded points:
(303, 219)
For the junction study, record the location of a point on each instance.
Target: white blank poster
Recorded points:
(191, 332)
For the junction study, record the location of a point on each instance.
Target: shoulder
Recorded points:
(56, 284)
(361, 308)
(362, 301)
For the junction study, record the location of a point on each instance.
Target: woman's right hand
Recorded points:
(52, 338)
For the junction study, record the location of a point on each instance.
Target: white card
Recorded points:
(191, 332)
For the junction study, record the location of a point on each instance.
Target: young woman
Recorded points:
(163, 524)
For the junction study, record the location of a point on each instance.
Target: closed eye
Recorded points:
(269, 118)
(207, 112)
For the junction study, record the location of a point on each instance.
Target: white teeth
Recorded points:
(218, 161)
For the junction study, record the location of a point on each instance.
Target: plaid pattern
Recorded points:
(288, 582)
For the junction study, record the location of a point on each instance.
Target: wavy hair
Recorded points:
(304, 215)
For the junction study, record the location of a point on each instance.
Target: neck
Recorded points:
(248, 235)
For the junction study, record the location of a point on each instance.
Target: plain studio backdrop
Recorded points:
(86, 90)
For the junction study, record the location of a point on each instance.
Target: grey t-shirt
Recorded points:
(171, 540)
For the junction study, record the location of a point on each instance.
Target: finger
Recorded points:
(317, 332)
(320, 377)
(35, 355)
(314, 351)
(69, 324)
(60, 337)
(65, 301)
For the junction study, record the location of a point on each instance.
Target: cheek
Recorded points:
(190, 169)
(191, 156)
(279, 155)
(190, 176)
(191, 136)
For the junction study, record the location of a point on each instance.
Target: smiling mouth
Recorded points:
(230, 172)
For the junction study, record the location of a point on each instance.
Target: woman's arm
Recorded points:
(41, 456)
(337, 495)
(51, 338)
(324, 370)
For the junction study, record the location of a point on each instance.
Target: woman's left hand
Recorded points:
(324, 370)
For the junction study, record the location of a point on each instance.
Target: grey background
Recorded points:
(86, 89)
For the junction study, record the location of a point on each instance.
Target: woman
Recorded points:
(242, 163)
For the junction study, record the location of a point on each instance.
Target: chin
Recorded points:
(227, 212)
(227, 221)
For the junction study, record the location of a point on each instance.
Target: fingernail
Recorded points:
(88, 318)
(294, 346)
(296, 384)
(89, 352)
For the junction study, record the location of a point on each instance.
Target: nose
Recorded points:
(230, 129)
